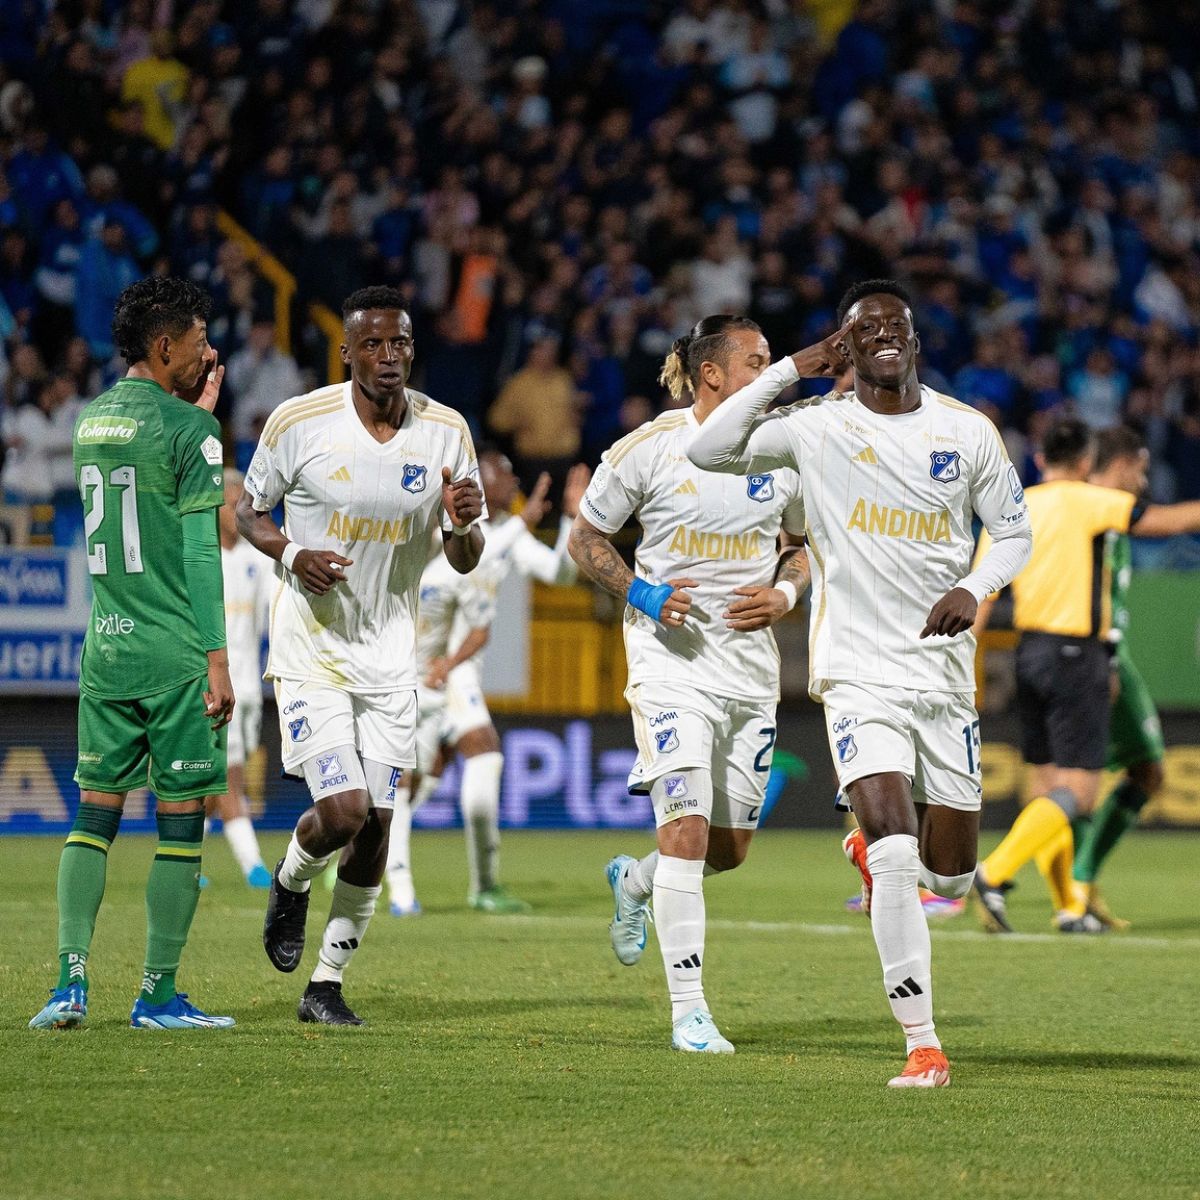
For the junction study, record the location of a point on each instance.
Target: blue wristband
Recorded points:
(649, 597)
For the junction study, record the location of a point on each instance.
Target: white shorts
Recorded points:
(245, 730)
(315, 717)
(466, 708)
(679, 727)
(932, 737)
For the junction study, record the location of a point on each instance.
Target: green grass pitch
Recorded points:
(516, 1058)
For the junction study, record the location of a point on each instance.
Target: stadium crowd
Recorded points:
(564, 186)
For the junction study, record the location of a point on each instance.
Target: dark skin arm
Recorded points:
(953, 614)
(317, 570)
(463, 502)
(763, 606)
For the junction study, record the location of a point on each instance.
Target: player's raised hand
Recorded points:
(953, 614)
(218, 698)
(462, 499)
(758, 608)
(578, 478)
(826, 358)
(537, 504)
(203, 394)
(678, 604)
(438, 673)
(319, 570)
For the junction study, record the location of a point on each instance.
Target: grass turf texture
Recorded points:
(514, 1057)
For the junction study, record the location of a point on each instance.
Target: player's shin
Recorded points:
(349, 915)
(399, 876)
(82, 870)
(480, 803)
(172, 892)
(1041, 821)
(1118, 813)
(902, 936)
(1054, 863)
(679, 919)
(239, 833)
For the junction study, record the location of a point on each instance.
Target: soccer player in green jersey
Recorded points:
(154, 689)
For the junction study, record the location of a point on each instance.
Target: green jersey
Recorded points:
(1120, 565)
(143, 459)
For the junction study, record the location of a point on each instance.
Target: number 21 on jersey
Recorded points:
(93, 489)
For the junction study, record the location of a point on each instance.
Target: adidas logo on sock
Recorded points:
(692, 962)
(351, 944)
(907, 989)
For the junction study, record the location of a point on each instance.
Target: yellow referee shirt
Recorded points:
(1066, 586)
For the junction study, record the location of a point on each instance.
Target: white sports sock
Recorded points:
(480, 802)
(902, 936)
(679, 919)
(349, 915)
(426, 786)
(639, 879)
(950, 887)
(207, 826)
(299, 867)
(239, 833)
(399, 859)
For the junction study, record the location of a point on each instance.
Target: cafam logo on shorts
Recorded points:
(106, 429)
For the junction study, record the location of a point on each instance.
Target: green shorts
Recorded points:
(165, 741)
(1135, 735)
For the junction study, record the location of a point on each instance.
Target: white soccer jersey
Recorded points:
(377, 503)
(250, 585)
(449, 601)
(719, 530)
(890, 501)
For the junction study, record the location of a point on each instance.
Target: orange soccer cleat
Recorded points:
(926, 1067)
(854, 847)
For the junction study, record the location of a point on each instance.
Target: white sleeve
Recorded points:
(616, 491)
(999, 500)
(737, 439)
(463, 464)
(269, 476)
(537, 561)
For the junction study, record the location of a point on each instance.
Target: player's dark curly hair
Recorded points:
(708, 341)
(373, 297)
(871, 287)
(1066, 442)
(1121, 441)
(154, 306)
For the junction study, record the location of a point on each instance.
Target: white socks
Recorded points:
(480, 803)
(349, 915)
(679, 919)
(902, 936)
(399, 859)
(299, 867)
(639, 879)
(240, 835)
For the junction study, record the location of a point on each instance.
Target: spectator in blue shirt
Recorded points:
(106, 269)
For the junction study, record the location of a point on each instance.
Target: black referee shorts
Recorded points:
(1063, 700)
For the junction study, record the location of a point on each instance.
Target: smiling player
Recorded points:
(892, 474)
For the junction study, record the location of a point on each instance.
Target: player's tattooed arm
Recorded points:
(598, 559)
(793, 567)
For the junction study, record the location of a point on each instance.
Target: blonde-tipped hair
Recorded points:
(673, 375)
(708, 341)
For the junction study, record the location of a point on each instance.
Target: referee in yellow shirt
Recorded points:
(1062, 607)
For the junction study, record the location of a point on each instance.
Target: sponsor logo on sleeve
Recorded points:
(211, 449)
(944, 465)
(1014, 484)
(413, 479)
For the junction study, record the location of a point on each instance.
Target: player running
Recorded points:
(154, 687)
(462, 721)
(1062, 606)
(249, 586)
(703, 664)
(366, 471)
(892, 473)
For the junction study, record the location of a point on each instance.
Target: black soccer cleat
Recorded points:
(283, 926)
(993, 909)
(323, 1004)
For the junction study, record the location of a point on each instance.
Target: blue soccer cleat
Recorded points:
(177, 1013)
(627, 929)
(698, 1033)
(65, 1009)
(259, 877)
(405, 910)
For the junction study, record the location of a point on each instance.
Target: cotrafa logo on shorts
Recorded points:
(760, 487)
(943, 465)
(846, 748)
(667, 739)
(414, 478)
(300, 729)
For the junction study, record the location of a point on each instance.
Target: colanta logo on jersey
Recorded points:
(760, 487)
(900, 522)
(944, 465)
(118, 430)
(704, 543)
(369, 529)
(413, 479)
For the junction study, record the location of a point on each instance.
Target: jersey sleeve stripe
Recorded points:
(621, 449)
(297, 404)
(271, 436)
(457, 423)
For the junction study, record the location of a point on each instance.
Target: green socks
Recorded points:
(172, 892)
(81, 874)
(1118, 813)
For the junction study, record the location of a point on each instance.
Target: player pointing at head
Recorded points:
(703, 665)
(366, 470)
(892, 474)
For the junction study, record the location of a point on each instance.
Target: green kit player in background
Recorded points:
(154, 689)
